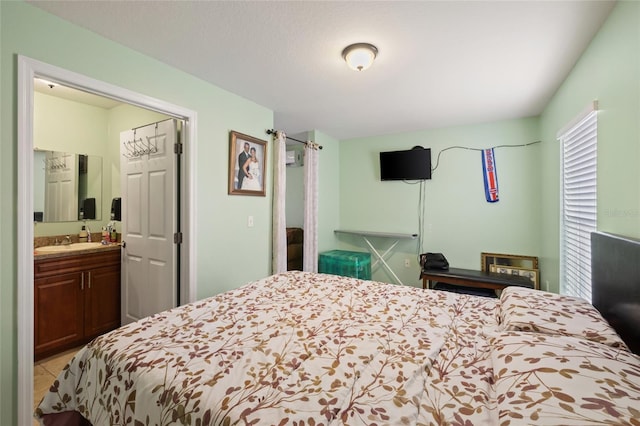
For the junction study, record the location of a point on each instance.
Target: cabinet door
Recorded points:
(102, 300)
(58, 313)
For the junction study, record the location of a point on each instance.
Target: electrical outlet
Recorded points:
(250, 221)
(407, 263)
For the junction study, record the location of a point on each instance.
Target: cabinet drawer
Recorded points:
(75, 263)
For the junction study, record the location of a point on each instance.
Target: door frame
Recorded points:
(28, 69)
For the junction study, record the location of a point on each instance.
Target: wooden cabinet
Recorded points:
(58, 307)
(76, 298)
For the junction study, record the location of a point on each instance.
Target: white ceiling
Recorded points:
(440, 63)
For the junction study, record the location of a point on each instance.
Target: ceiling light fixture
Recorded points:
(359, 56)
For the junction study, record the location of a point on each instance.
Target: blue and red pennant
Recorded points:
(490, 175)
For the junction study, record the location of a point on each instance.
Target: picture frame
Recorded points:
(532, 274)
(528, 262)
(247, 178)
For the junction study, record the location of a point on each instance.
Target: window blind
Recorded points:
(579, 205)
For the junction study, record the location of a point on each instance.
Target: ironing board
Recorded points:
(380, 258)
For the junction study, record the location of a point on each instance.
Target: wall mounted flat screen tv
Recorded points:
(412, 164)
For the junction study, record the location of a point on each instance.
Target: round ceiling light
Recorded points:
(359, 56)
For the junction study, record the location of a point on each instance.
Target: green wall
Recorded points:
(328, 194)
(458, 221)
(294, 213)
(608, 71)
(228, 252)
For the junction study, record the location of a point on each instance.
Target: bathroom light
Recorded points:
(51, 84)
(359, 56)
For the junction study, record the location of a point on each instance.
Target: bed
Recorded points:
(300, 348)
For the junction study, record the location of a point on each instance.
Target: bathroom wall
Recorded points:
(121, 118)
(69, 126)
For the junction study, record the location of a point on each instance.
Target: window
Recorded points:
(578, 204)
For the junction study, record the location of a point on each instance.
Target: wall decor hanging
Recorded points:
(247, 165)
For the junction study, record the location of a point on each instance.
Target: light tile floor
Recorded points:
(45, 372)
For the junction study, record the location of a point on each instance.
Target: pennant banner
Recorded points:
(490, 175)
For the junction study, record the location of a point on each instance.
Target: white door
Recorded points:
(149, 220)
(61, 189)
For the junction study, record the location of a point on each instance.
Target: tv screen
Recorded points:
(412, 164)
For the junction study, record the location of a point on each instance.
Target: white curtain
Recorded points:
(310, 247)
(279, 260)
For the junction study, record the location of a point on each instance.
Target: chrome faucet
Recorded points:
(66, 241)
(86, 227)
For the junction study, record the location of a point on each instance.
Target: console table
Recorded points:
(473, 278)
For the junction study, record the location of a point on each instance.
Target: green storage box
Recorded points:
(346, 263)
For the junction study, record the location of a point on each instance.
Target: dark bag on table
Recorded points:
(434, 261)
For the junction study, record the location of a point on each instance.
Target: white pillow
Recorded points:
(523, 309)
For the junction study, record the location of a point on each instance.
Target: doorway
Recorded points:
(28, 69)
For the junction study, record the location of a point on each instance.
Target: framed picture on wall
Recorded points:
(247, 165)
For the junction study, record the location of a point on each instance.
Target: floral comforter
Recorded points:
(313, 349)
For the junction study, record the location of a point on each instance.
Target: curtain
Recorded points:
(310, 248)
(279, 245)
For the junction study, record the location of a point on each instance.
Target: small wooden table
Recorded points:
(473, 278)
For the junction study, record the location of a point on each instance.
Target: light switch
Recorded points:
(250, 221)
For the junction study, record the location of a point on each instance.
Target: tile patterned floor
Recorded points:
(45, 372)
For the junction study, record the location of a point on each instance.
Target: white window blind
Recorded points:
(579, 213)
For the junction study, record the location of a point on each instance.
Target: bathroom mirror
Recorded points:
(67, 187)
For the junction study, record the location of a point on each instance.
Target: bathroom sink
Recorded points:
(68, 247)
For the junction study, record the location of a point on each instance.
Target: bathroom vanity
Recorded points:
(76, 297)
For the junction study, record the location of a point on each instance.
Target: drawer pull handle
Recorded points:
(89, 279)
(81, 282)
